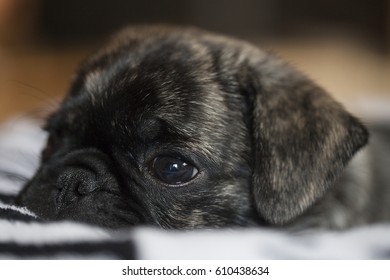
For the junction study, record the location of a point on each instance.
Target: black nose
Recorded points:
(78, 180)
(83, 173)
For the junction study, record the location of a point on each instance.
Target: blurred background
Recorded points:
(342, 45)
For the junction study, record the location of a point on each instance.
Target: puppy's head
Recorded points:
(183, 129)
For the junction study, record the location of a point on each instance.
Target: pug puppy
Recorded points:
(184, 129)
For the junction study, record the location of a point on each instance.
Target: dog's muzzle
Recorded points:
(74, 185)
(83, 173)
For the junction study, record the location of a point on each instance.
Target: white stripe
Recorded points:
(60, 232)
(22, 210)
(359, 243)
(10, 187)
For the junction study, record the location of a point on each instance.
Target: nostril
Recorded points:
(77, 181)
(64, 181)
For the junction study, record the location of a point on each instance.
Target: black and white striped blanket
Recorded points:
(23, 235)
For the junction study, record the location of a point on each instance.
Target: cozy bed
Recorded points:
(23, 235)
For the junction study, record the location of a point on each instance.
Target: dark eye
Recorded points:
(173, 171)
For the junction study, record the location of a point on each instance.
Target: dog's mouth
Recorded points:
(102, 208)
(101, 212)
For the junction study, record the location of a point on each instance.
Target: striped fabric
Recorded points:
(23, 235)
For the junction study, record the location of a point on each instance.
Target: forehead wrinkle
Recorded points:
(208, 101)
(205, 132)
(107, 67)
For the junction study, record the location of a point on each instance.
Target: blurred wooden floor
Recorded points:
(30, 79)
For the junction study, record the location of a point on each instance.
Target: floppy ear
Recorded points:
(302, 139)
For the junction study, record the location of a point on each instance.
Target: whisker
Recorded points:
(36, 93)
(43, 94)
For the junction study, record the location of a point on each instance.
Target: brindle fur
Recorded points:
(270, 145)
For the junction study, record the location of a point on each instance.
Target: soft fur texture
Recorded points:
(26, 236)
(269, 146)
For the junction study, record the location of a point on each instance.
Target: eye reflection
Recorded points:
(173, 171)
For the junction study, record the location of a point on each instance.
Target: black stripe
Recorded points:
(7, 199)
(123, 250)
